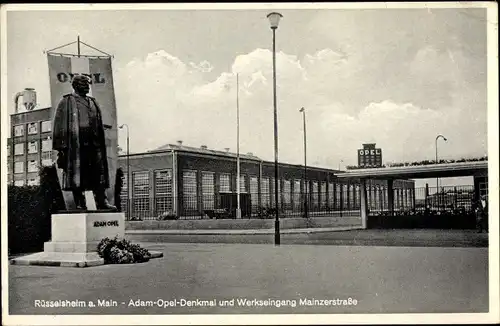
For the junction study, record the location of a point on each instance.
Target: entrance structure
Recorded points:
(478, 170)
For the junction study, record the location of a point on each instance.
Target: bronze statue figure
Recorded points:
(78, 137)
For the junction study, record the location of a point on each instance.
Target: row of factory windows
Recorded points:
(19, 148)
(32, 127)
(32, 165)
(321, 194)
(22, 182)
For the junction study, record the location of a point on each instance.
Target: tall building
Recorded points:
(30, 145)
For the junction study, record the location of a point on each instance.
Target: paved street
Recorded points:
(380, 279)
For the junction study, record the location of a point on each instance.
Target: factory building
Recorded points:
(187, 181)
(29, 146)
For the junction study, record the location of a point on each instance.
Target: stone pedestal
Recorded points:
(75, 238)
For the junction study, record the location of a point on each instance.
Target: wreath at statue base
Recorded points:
(122, 251)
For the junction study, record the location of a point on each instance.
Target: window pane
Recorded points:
(140, 181)
(33, 147)
(287, 193)
(243, 183)
(208, 190)
(297, 202)
(163, 191)
(46, 145)
(265, 192)
(254, 192)
(47, 158)
(330, 194)
(19, 130)
(163, 183)
(32, 166)
(141, 184)
(46, 126)
(323, 195)
(315, 195)
(19, 149)
(338, 196)
(32, 128)
(19, 167)
(344, 194)
(225, 182)
(19, 183)
(189, 188)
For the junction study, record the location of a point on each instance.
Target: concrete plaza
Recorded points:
(385, 279)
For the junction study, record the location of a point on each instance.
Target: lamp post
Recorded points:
(238, 208)
(437, 179)
(306, 211)
(128, 170)
(274, 19)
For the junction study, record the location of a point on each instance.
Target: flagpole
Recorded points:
(238, 209)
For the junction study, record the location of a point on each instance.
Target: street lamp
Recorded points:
(274, 19)
(238, 209)
(128, 171)
(437, 179)
(306, 212)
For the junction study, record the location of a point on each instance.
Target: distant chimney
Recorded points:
(29, 99)
(227, 149)
(179, 142)
(203, 147)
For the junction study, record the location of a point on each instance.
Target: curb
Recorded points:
(240, 232)
(52, 263)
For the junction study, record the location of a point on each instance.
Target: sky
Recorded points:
(394, 77)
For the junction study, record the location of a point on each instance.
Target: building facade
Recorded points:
(30, 146)
(189, 181)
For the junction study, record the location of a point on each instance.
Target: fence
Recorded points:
(444, 199)
(224, 206)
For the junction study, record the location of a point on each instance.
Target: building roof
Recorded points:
(38, 109)
(442, 170)
(168, 148)
(204, 150)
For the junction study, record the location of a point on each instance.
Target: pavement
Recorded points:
(272, 279)
(348, 236)
(246, 232)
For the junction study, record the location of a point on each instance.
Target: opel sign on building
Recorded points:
(369, 156)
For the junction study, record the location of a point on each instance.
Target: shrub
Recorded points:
(121, 251)
(118, 189)
(29, 212)
(168, 215)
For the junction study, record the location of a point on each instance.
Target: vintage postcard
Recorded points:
(259, 163)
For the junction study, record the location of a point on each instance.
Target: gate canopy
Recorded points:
(443, 170)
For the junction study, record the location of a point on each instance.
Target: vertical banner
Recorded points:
(100, 72)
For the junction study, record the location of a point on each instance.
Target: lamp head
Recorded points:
(302, 109)
(274, 19)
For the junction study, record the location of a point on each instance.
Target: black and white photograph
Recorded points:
(252, 163)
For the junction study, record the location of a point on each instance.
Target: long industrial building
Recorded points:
(189, 181)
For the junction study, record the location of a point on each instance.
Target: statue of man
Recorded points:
(78, 136)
